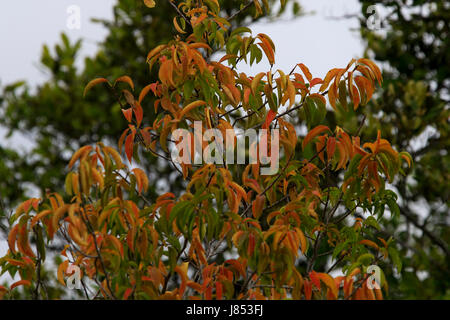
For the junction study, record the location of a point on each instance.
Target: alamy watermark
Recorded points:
(211, 147)
(74, 17)
(374, 279)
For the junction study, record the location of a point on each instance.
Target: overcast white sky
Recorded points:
(316, 40)
(25, 25)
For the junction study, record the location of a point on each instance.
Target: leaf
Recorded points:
(127, 293)
(166, 73)
(128, 113)
(330, 75)
(183, 273)
(58, 214)
(370, 244)
(80, 153)
(125, 79)
(150, 4)
(240, 30)
(93, 83)
(372, 222)
(313, 133)
(145, 91)
(12, 237)
(155, 51)
(329, 282)
(129, 146)
(331, 147)
(141, 178)
(190, 107)
(20, 283)
(305, 71)
(393, 253)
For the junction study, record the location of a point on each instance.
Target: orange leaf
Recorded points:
(370, 244)
(182, 272)
(166, 73)
(329, 282)
(141, 178)
(330, 75)
(177, 26)
(80, 153)
(313, 133)
(20, 283)
(269, 118)
(150, 4)
(125, 79)
(93, 83)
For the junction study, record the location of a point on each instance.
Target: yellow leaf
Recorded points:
(329, 282)
(313, 133)
(141, 178)
(177, 26)
(80, 153)
(370, 244)
(150, 3)
(61, 271)
(125, 79)
(190, 107)
(20, 283)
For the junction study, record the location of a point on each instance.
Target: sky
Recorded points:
(316, 40)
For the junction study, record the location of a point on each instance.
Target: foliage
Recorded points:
(412, 111)
(57, 119)
(233, 233)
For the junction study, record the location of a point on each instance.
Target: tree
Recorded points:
(238, 230)
(58, 119)
(412, 110)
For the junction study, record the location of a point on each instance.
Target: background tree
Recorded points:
(235, 231)
(412, 109)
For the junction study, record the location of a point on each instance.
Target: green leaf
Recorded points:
(393, 253)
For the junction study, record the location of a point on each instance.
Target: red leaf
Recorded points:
(305, 71)
(269, 118)
(129, 146)
(93, 83)
(128, 113)
(315, 279)
(331, 147)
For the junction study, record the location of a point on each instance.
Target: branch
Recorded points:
(438, 241)
(234, 15)
(179, 12)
